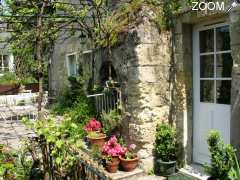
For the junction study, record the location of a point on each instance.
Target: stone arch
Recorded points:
(104, 72)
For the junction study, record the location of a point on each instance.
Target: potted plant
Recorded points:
(165, 149)
(97, 139)
(111, 151)
(95, 136)
(129, 160)
(93, 125)
(111, 121)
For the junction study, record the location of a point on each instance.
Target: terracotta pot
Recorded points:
(129, 164)
(112, 166)
(98, 141)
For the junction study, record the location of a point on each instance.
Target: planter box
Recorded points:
(13, 89)
(34, 87)
(9, 89)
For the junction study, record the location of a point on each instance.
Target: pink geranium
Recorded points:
(93, 125)
(112, 148)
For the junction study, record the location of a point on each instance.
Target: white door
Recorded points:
(212, 86)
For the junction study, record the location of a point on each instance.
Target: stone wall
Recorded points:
(235, 45)
(58, 75)
(183, 88)
(142, 65)
(148, 89)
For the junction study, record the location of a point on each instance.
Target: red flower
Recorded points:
(93, 125)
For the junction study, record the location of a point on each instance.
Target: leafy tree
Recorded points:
(37, 24)
(35, 27)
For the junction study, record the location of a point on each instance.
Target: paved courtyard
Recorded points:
(12, 132)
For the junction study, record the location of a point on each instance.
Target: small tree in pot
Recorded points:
(165, 149)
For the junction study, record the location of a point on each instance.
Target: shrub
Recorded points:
(234, 173)
(11, 78)
(28, 80)
(222, 157)
(73, 99)
(165, 142)
(81, 111)
(111, 121)
(14, 165)
(8, 78)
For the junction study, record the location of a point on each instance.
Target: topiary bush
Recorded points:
(222, 157)
(165, 142)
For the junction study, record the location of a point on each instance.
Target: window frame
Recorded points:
(75, 54)
(2, 67)
(214, 53)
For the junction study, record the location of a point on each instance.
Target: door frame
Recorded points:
(196, 69)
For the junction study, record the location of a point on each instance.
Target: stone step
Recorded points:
(137, 174)
(152, 178)
(122, 175)
(194, 170)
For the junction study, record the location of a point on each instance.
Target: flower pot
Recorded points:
(97, 141)
(112, 166)
(166, 168)
(129, 164)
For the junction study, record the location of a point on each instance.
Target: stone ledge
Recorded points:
(195, 171)
(122, 175)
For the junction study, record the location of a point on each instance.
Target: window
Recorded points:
(4, 63)
(72, 65)
(215, 65)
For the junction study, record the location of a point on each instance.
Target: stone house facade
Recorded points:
(203, 51)
(6, 56)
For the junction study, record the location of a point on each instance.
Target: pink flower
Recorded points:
(132, 147)
(112, 148)
(93, 125)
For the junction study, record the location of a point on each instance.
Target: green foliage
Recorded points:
(11, 78)
(222, 157)
(14, 165)
(234, 173)
(74, 101)
(27, 80)
(111, 121)
(94, 134)
(8, 78)
(64, 138)
(165, 142)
